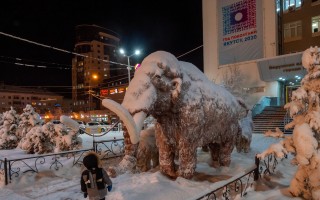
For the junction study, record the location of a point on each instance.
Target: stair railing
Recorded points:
(286, 120)
(260, 105)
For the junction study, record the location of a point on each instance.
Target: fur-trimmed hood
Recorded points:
(91, 160)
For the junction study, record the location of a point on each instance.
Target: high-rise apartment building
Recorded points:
(96, 47)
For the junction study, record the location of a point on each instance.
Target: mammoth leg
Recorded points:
(188, 159)
(143, 158)
(166, 153)
(225, 153)
(246, 146)
(214, 152)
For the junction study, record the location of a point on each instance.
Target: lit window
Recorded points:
(113, 91)
(121, 90)
(291, 5)
(292, 31)
(315, 25)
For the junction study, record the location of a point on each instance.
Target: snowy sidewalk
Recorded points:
(64, 184)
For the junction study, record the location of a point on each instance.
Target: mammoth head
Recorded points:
(156, 85)
(159, 74)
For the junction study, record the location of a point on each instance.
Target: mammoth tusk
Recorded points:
(125, 116)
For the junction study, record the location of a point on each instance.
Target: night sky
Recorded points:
(173, 26)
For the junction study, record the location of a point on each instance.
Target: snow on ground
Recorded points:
(64, 184)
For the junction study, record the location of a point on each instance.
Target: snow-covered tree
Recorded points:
(8, 138)
(28, 119)
(304, 108)
(50, 138)
(233, 81)
(1, 119)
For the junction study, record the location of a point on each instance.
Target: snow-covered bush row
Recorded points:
(29, 133)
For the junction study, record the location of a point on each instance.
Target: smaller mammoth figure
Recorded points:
(147, 152)
(244, 141)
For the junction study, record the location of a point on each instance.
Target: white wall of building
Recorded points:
(248, 69)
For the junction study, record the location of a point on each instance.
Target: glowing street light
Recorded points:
(136, 52)
(94, 77)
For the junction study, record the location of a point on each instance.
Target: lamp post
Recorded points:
(94, 76)
(136, 52)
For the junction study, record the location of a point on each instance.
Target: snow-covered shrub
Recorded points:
(29, 118)
(304, 108)
(233, 81)
(8, 138)
(36, 141)
(50, 138)
(277, 133)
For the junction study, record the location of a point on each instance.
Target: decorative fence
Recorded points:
(238, 184)
(109, 148)
(10, 167)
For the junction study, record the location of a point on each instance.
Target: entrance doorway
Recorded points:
(288, 91)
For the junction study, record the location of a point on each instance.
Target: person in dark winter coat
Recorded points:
(94, 179)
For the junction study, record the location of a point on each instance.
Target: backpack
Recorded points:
(94, 178)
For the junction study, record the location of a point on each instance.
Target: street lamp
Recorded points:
(136, 52)
(94, 77)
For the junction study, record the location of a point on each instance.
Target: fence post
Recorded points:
(5, 171)
(94, 146)
(256, 171)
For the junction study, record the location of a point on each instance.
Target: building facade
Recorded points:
(300, 24)
(96, 48)
(261, 40)
(44, 102)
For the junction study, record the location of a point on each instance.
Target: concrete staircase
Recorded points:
(270, 118)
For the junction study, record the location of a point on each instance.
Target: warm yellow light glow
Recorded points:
(94, 76)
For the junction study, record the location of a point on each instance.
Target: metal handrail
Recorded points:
(259, 106)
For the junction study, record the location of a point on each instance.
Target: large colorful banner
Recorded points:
(240, 30)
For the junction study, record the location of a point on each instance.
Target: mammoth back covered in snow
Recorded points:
(190, 111)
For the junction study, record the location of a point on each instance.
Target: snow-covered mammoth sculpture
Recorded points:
(190, 110)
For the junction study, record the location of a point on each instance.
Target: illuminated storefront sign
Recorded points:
(104, 92)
